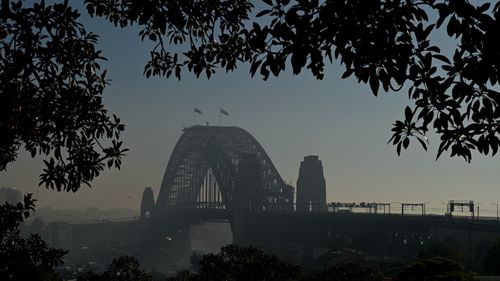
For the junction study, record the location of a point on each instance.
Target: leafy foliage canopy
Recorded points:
(51, 82)
(20, 258)
(50, 95)
(386, 44)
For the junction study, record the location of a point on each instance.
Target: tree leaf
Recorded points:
(374, 84)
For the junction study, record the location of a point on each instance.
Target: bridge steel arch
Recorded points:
(215, 151)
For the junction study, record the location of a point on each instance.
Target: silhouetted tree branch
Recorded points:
(50, 95)
(51, 83)
(24, 259)
(385, 44)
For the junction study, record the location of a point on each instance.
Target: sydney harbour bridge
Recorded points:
(223, 174)
(220, 168)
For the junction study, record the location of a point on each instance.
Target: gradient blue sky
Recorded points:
(291, 116)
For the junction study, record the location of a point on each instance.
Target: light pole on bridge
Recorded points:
(496, 204)
(479, 203)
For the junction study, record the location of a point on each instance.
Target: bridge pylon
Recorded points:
(311, 185)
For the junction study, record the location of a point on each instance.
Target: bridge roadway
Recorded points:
(286, 233)
(294, 233)
(392, 222)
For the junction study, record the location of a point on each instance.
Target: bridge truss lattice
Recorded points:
(203, 167)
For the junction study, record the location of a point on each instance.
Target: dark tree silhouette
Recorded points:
(447, 249)
(241, 263)
(248, 263)
(51, 83)
(385, 44)
(435, 269)
(121, 269)
(346, 272)
(50, 95)
(24, 259)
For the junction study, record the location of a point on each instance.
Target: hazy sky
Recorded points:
(291, 117)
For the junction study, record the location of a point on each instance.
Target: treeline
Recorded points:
(235, 263)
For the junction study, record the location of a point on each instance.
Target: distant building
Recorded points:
(10, 195)
(61, 235)
(311, 186)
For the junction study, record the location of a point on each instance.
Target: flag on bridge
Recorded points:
(196, 110)
(222, 111)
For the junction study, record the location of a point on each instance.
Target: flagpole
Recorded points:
(221, 112)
